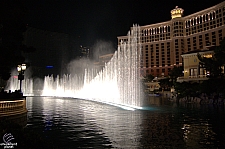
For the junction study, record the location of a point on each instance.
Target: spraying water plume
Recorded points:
(118, 83)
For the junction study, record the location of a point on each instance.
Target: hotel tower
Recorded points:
(164, 43)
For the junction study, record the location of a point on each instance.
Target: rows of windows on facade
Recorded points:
(84, 52)
(164, 43)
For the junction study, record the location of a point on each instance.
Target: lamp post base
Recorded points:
(20, 77)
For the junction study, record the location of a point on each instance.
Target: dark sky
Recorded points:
(93, 20)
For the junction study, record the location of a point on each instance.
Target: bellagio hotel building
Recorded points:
(163, 43)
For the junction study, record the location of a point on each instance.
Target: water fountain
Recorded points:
(14, 84)
(118, 83)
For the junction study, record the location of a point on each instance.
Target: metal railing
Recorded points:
(198, 77)
(11, 107)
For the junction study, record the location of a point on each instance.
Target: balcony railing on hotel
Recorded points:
(11, 107)
(192, 78)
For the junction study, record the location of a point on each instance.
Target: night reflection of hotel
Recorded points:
(164, 43)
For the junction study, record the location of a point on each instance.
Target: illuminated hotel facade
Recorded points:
(164, 43)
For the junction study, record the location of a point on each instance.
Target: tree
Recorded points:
(12, 26)
(149, 78)
(187, 90)
(165, 84)
(214, 87)
(215, 64)
(175, 73)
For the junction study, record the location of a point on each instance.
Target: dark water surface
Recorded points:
(74, 123)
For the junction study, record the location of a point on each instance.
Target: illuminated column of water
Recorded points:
(138, 68)
(133, 73)
(28, 87)
(133, 76)
(121, 72)
(48, 89)
(125, 75)
(136, 48)
(134, 59)
(14, 84)
(118, 82)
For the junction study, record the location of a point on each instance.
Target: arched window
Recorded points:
(211, 16)
(214, 14)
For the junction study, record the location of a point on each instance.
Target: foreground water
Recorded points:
(74, 123)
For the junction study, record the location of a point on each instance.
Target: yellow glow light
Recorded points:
(208, 56)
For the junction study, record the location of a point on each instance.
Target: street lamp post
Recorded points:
(21, 69)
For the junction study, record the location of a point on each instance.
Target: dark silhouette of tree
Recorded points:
(165, 83)
(12, 26)
(214, 65)
(214, 87)
(187, 90)
(149, 78)
(175, 73)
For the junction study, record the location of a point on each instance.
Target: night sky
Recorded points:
(93, 20)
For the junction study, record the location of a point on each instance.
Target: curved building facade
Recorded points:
(164, 43)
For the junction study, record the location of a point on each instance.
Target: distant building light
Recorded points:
(207, 55)
(49, 66)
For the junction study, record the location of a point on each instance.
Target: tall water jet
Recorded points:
(117, 83)
(14, 84)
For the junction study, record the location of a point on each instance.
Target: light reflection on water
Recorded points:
(75, 123)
